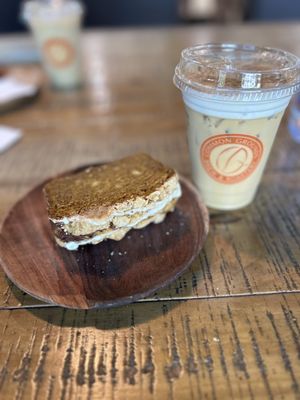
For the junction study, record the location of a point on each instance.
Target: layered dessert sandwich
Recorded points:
(105, 202)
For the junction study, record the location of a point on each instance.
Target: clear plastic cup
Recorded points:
(235, 96)
(56, 27)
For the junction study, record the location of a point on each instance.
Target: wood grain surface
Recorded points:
(104, 275)
(246, 348)
(31, 77)
(237, 335)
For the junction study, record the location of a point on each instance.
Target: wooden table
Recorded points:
(230, 327)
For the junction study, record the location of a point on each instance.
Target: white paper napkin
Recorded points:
(12, 89)
(8, 137)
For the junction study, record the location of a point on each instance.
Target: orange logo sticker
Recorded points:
(231, 158)
(59, 52)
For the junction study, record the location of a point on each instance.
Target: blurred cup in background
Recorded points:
(56, 28)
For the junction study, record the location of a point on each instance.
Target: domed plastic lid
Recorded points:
(240, 71)
(50, 9)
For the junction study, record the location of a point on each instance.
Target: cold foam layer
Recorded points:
(243, 109)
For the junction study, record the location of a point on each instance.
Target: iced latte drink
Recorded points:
(235, 96)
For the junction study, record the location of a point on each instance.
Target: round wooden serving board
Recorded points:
(108, 274)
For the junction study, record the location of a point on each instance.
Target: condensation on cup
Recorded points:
(56, 28)
(235, 96)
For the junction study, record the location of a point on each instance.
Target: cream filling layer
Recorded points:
(79, 225)
(113, 234)
(155, 215)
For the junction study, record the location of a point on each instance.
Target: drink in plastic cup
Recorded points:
(235, 96)
(56, 27)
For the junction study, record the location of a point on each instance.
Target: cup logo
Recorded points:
(59, 52)
(231, 158)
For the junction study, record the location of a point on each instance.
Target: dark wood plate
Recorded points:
(108, 274)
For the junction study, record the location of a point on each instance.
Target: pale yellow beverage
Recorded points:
(229, 155)
(235, 97)
(56, 28)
